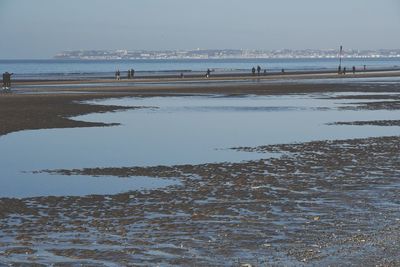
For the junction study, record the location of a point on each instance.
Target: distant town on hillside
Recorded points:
(225, 54)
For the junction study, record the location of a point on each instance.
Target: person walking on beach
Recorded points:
(258, 70)
(354, 69)
(339, 70)
(118, 75)
(7, 80)
(253, 71)
(129, 74)
(344, 71)
(132, 73)
(208, 73)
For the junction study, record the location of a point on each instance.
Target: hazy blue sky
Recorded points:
(41, 28)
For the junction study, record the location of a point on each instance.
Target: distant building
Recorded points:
(225, 54)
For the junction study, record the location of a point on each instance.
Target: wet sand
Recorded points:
(374, 123)
(29, 112)
(234, 77)
(319, 203)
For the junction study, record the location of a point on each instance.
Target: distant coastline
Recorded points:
(83, 69)
(226, 54)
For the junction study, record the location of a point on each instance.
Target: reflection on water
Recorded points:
(181, 130)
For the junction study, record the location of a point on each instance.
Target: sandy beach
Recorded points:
(320, 203)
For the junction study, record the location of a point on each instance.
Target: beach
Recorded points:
(157, 133)
(314, 202)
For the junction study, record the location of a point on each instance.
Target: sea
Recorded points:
(56, 69)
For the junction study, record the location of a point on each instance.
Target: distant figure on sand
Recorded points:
(365, 67)
(354, 69)
(258, 70)
(7, 80)
(132, 73)
(182, 76)
(118, 75)
(344, 71)
(208, 73)
(265, 71)
(253, 70)
(129, 74)
(283, 71)
(339, 70)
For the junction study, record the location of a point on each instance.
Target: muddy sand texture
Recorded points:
(370, 123)
(379, 105)
(320, 203)
(28, 112)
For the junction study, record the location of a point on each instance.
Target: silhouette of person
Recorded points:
(283, 71)
(344, 70)
(265, 71)
(129, 74)
(253, 70)
(258, 70)
(8, 79)
(132, 73)
(182, 75)
(339, 70)
(117, 75)
(365, 67)
(208, 73)
(354, 69)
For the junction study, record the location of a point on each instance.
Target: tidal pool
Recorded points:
(172, 131)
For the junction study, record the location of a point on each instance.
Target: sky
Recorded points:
(42, 28)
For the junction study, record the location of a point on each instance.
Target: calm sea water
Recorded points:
(72, 69)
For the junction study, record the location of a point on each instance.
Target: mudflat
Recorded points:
(41, 111)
